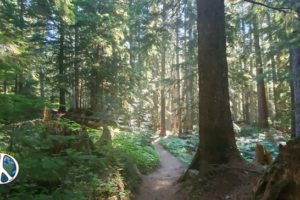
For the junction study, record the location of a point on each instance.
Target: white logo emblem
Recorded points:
(9, 168)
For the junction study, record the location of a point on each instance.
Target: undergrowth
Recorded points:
(106, 172)
(138, 145)
(179, 147)
(246, 139)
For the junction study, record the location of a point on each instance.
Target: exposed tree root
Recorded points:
(233, 180)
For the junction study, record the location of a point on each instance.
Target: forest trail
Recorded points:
(161, 184)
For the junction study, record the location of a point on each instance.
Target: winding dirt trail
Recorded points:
(161, 184)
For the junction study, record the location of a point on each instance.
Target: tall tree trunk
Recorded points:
(163, 72)
(95, 83)
(4, 85)
(246, 85)
(76, 68)
(274, 72)
(81, 94)
(261, 93)
(252, 107)
(178, 81)
(155, 77)
(22, 26)
(42, 90)
(185, 87)
(234, 105)
(191, 81)
(131, 56)
(217, 141)
(62, 97)
(169, 109)
(16, 83)
(163, 100)
(155, 95)
(174, 98)
(296, 71)
(293, 123)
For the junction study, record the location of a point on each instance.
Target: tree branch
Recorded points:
(278, 9)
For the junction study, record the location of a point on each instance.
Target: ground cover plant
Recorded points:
(180, 148)
(138, 146)
(246, 141)
(71, 174)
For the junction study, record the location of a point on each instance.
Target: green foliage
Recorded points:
(15, 108)
(71, 174)
(270, 140)
(138, 146)
(179, 148)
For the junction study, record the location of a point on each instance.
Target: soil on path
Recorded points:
(161, 184)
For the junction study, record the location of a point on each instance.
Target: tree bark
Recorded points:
(76, 68)
(178, 81)
(155, 95)
(217, 141)
(62, 98)
(4, 83)
(296, 71)
(163, 71)
(293, 124)
(174, 98)
(22, 25)
(261, 93)
(169, 110)
(42, 90)
(162, 97)
(191, 81)
(274, 73)
(246, 85)
(295, 59)
(252, 107)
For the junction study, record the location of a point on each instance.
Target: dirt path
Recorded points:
(161, 184)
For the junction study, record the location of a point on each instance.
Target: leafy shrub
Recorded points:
(138, 146)
(179, 148)
(71, 174)
(15, 108)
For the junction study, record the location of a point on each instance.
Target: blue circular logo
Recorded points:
(9, 168)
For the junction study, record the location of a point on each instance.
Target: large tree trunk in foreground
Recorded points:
(217, 141)
(295, 60)
(217, 155)
(296, 87)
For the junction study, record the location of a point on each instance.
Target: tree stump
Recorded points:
(262, 156)
(281, 180)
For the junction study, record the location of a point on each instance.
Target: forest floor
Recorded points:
(161, 184)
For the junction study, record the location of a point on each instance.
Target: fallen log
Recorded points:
(252, 154)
